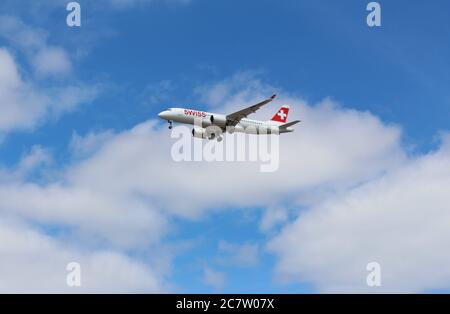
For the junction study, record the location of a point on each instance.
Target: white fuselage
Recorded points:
(202, 119)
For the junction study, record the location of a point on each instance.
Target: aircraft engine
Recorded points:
(210, 132)
(199, 133)
(219, 120)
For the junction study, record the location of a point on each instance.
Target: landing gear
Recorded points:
(170, 125)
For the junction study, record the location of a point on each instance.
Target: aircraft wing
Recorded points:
(235, 117)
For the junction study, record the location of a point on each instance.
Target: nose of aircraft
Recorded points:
(164, 115)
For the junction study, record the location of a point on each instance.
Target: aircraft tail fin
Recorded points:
(281, 115)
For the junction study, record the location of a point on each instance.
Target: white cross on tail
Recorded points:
(282, 115)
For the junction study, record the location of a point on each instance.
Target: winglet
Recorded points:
(273, 96)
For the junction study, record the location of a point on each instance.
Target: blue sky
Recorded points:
(141, 57)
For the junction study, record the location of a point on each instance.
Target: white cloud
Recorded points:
(33, 162)
(46, 60)
(97, 215)
(242, 255)
(122, 220)
(213, 278)
(400, 220)
(31, 262)
(23, 105)
(87, 145)
(52, 61)
(272, 217)
(28, 94)
(20, 105)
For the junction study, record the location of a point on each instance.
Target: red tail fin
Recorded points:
(281, 115)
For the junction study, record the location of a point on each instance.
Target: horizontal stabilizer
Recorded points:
(287, 125)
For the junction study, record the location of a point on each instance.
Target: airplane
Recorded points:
(212, 125)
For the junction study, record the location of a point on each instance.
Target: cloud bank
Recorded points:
(400, 220)
(356, 194)
(121, 191)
